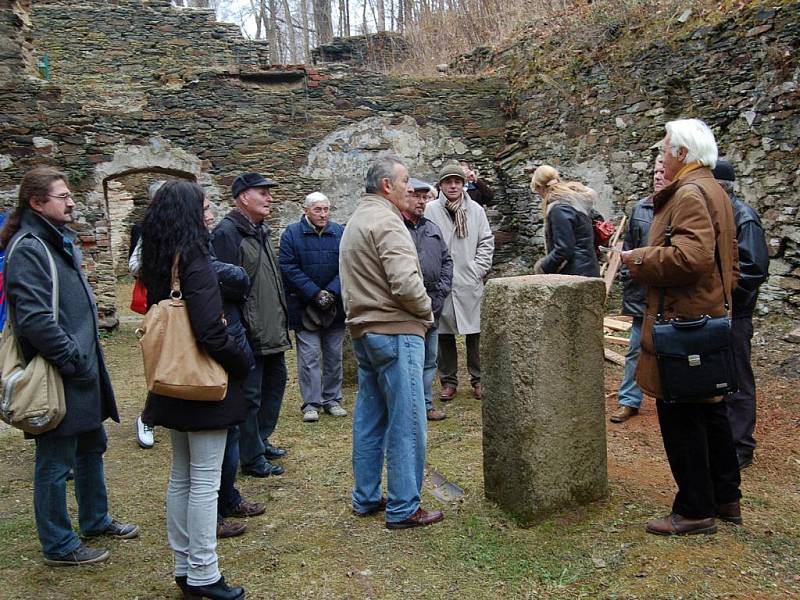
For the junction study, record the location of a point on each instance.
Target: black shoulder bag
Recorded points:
(695, 358)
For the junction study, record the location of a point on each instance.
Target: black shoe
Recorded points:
(264, 470)
(117, 529)
(745, 459)
(274, 452)
(82, 555)
(216, 591)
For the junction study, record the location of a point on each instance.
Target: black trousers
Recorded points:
(742, 404)
(699, 446)
(448, 358)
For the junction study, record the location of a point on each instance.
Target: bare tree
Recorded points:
(322, 21)
(290, 32)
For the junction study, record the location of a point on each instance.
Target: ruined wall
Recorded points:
(596, 121)
(140, 86)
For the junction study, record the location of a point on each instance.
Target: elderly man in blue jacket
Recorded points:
(309, 259)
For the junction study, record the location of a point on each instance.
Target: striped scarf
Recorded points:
(458, 208)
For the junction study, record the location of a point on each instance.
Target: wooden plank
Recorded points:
(616, 325)
(613, 339)
(613, 357)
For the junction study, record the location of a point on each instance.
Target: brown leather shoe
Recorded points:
(226, 529)
(675, 524)
(623, 414)
(419, 519)
(435, 415)
(448, 393)
(374, 510)
(730, 512)
(477, 391)
(247, 509)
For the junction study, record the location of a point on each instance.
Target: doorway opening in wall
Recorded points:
(127, 196)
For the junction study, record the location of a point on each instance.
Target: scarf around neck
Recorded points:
(458, 208)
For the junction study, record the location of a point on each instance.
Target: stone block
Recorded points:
(544, 433)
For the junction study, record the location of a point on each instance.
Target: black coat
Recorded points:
(570, 241)
(636, 234)
(72, 345)
(481, 193)
(200, 290)
(753, 258)
(435, 260)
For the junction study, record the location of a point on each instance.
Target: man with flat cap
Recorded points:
(471, 243)
(243, 238)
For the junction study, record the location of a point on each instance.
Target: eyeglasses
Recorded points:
(63, 197)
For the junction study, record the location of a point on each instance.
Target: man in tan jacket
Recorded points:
(696, 273)
(388, 312)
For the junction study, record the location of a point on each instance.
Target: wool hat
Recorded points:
(245, 181)
(451, 170)
(419, 185)
(724, 171)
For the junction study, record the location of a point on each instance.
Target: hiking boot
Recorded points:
(247, 509)
(334, 409)
(310, 416)
(82, 555)
(448, 393)
(145, 434)
(435, 415)
(226, 529)
(675, 524)
(623, 414)
(421, 518)
(117, 529)
(730, 512)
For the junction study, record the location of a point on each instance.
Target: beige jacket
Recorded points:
(379, 270)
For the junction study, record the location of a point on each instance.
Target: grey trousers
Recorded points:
(320, 381)
(742, 404)
(448, 359)
(192, 503)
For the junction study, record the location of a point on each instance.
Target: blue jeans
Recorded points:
(55, 457)
(630, 394)
(229, 496)
(429, 367)
(389, 419)
(263, 391)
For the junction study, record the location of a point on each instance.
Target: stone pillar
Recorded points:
(544, 433)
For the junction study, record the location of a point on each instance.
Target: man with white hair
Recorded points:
(690, 268)
(309, 259)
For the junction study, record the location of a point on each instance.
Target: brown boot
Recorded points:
(730, 512)
(623, 414)
(448, 393)
(675, 524)
(421, 518)
(435, 415)
(226, 529)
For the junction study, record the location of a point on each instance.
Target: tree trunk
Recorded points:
(322, 21)
(290, 32)
(381, 24)
(306, 36)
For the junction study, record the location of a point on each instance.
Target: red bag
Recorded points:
(603, 230)
(139, 298)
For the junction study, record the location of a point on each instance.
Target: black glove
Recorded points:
(324, 299)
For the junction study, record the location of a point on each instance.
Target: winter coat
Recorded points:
(701, 217)
(480, 192)
(633, 292)
(472, 260)
(569, 235)
(238, 242)
(753, 258)
(434, 258)
(200, 291)
(380, 273)
(309, 263)
(72, 345)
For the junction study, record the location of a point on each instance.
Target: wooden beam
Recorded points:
(613, 339)
(615, 325)
(613, 357)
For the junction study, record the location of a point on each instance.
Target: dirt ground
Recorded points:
(307, 545)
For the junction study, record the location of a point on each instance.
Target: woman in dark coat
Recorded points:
(174, 223)
(569, 235)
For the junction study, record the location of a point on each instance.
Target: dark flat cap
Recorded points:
(724, 171)
(245, 181)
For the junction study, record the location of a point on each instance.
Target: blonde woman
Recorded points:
(569, 237)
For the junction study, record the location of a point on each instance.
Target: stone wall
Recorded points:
(143, 87)
(596, 121)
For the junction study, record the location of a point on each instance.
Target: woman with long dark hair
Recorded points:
(174, 224)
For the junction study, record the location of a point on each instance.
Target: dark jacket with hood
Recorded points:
(200, 291)
(72, 345)
(236, 240)
(569, 235)
(435, 260)
(309, 262)
(633, 294)
(753, 258)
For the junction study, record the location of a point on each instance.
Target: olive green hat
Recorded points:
(452, 169)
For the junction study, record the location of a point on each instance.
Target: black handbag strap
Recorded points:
(668, 242)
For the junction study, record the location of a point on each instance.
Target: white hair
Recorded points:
(315, 198)
(696, 137)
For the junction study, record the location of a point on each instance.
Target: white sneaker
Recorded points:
(334, 409)
(310, 416)
(144, 434)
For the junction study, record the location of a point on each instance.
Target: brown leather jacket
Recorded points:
(702, 220)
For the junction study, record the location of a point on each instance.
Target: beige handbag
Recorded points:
(32, 393)
(174, 365)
